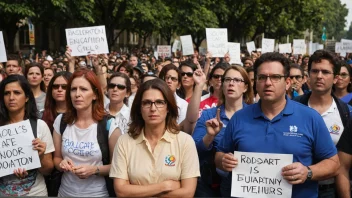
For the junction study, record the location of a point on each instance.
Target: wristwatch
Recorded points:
(97, 171)
(310, 174)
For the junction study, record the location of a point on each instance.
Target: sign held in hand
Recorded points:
(164, 50)
(187, 45)
(217, 41)
(3, 57)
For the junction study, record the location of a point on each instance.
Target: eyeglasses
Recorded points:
(216, 76)
(189, 74)
(228, 80)
(273, 78)
(119, 86)
(344, 75)
(158, 103)
(297, 77)
(174, 79)
(323, 71)
(57, 86)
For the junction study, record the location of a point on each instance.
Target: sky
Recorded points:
(349, 16)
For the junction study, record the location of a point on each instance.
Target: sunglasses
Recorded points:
(119, 86)
(189, 74)
(57, 86)
(216, 76)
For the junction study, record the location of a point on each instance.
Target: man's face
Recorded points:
(176, 62)
(12, 67)
(133, 61)
(297, 79)
(251, 77)
(46, 64)
(271, 89)
(322, 77)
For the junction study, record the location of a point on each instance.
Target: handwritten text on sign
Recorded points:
(3, 57)
(217, 41)
(187, 45)
(164, 50)
(259, 175)
(16, 149)
(88, 40)
(268, 45)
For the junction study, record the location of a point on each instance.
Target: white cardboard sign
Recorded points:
(259, 175)
(164, 50)
(299, 46)
(250, 47)
(235, 52)
(346, 45)
(217, 41)
(268, 45)
(187, 45)
(285, 48)
(87, 40)
(16, 150)
(3, 57)
(176, 45)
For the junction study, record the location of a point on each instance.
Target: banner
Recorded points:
(31, 32)
(164, 50)
(3, 57)
(285, 48)
(16, 149)
(187, 45)
(268, 45)
(250, 47)
(217, 41)
(299, 46)
(87, 40)
(235, 52)
(259, 175)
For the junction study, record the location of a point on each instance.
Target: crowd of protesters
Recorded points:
(135, 125)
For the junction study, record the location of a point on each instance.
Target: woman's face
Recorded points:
(82, 94)
(117, 90)
(48, 75)
(59, 89)
(187, 76)
(343, 79)
(154, 108)
(215, 81)
(134, 87)
(123, 70)
(171, 78)
(34, 76)
(233, 89)
(14, 98)
(145, 68)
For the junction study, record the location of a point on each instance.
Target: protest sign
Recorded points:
(87, 40)
(320, 47)
(156, 55)
(259, 175)
(202, 51)
(285, 48)
(3, 57)
(176, 45)
(187, 45)
(164, 50)
(250, 47)
(346, 46)
(299, 46)
(217, 41)
(16, 148)
(235, 52)
(268, 45)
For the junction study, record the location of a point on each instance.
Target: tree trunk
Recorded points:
(11, 31)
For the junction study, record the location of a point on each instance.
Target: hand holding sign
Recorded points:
(295, 173)
(229, 162)
(40, 146)
(20, 173)
(214, 125)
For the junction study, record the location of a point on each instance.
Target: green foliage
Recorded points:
(349, 32)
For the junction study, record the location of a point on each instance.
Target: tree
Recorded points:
(349, 32)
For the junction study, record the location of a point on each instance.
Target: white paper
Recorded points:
(217, 41)
(285, 48)
(268, 45)
(320, 46)
(235, 52)
(202, 51)
(299, 46)
(187, 45)
(250, 47)
(16, 150)
(164, 50)
(264, 172)
(87, 40)
(3, 57)
(346, 45)
(176, 45)
(156, 55)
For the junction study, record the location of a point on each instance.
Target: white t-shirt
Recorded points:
(122, 118)
(81, 146)
(182, 106)
(39, 186)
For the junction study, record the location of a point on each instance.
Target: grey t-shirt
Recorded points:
(40, 101)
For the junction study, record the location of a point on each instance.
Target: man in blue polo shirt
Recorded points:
(277, 124)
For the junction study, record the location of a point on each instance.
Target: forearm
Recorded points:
(193, 106)
(104, 170)
(343, 183)
(130, 190)
(208, 139)
(206, 67)
(325, 169)
(218, 160)
(181, 192)
(101, 77)
(57, 161)
(71, 66)
(47, 165)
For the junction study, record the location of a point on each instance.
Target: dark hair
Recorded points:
(137, 121)
(98, 110)
(50, 113)
(221, 65)
(14, 57)
(188, 64)
(30, 112)
(148, 74)
(41, 68)
(249, 69)
(166, 69)
(320, 55)
(127, 82)
(272, 57)
(296, 66)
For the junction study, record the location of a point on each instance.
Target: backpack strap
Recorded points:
(63, 124)
(343, 110)
(34, 126)
(103, 138)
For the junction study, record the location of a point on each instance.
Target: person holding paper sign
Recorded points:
(235, 93)
(277, 124)
(17, 104)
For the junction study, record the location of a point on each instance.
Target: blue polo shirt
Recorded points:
(297, 130)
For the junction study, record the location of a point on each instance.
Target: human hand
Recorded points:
(295, 173)
(68, 54)
(40, 146)
(229, 162)
(20, 173)
(170, 185)
(84, 171)
(66, 165)
(214, 125)
(199, 76)
(208, 56)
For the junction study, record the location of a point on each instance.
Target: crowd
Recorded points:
(135, 125)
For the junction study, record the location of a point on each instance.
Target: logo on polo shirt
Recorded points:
(293, 132)
(170, 160)
(293, 129)
(334, 129)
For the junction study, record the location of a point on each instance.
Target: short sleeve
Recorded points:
(113, 126)
(57, 123)
(190, 162)
(119, 160)
(45, 135)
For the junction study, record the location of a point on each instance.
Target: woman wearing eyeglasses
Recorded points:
(297, 81)
(119, 89)
(343, 87)
(235, 93)
(154, 158)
